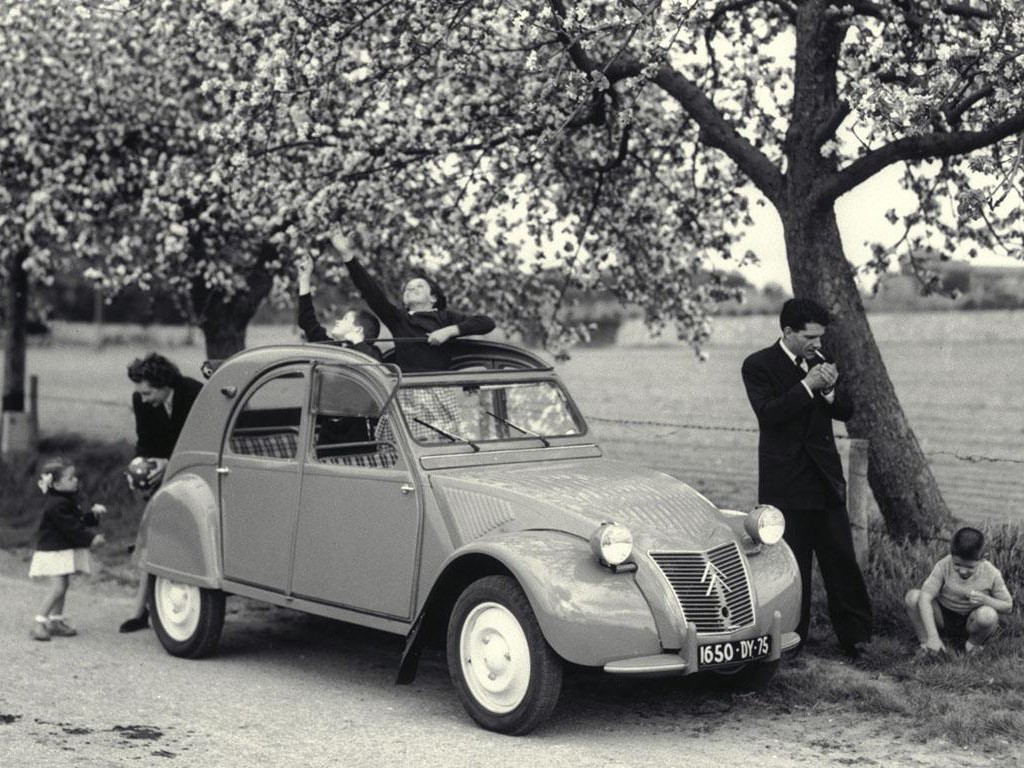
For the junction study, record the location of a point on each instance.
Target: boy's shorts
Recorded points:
(954, 625)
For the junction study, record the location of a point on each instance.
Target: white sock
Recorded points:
(43, 619)
(56, 617)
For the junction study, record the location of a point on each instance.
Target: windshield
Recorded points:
(474, 413)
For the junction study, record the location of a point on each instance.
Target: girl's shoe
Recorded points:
(39, 631)
(970, 649)
(60, 628)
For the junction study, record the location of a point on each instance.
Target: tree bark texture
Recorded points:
(224, 319)
(15, 323)
(899, 475)
(898, 472)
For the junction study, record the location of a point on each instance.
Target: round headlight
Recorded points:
(765, 524)
(612, 543)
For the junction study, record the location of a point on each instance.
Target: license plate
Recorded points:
(733, 652)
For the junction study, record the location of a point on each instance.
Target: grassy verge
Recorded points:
(975, 702)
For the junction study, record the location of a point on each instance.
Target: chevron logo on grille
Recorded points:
(714, 576)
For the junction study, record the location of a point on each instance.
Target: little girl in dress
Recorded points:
(62, 546)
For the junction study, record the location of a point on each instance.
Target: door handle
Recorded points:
(406, 489)
(223, 471)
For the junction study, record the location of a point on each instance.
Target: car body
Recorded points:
(471, 506)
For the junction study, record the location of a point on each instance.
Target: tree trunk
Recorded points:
(15, 322)
(224, 325)
(224, 320)
(899, 475)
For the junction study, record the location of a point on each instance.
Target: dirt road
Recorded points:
(291, 690)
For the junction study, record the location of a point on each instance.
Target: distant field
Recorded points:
(960, 377)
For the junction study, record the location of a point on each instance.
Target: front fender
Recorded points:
(775, 579)
(178, 533)
(588, 614)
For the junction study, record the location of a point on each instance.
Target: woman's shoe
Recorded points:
(135, 623)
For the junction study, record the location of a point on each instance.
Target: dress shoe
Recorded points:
(135, 623)
(854, 651)
(39, 631)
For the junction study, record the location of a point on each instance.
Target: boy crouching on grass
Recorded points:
(961, 600)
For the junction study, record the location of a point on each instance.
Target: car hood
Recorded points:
(576, 497)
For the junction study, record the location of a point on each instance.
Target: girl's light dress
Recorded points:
(60, 562)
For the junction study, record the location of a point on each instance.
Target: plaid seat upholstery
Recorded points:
(277, 445)
(386, 457)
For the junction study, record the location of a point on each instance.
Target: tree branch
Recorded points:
(716, 132)
(863, 8)
(965, 9)
(931, 146)
(828, 129)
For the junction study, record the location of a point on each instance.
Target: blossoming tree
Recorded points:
(616, 142)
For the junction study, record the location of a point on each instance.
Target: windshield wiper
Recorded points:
(503, 420)
(449, 435)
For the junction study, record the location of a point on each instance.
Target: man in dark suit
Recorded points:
(796, 393)
(162, 400)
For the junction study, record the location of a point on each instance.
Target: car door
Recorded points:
(359, 513)
(259, 479)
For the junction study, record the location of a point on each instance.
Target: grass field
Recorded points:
(959, 375)
(959, 378)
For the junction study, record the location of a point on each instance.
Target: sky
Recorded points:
(861, 216)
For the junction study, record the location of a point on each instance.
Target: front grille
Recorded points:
(712, 587)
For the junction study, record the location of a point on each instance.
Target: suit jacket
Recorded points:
(798, 464)
(157, 432)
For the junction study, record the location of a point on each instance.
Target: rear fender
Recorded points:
(178, 535)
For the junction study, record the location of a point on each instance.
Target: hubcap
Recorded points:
(178, 606)
(495, 657)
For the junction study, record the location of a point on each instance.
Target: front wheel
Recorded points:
(187, 619)
(753, 676)
(505, 673)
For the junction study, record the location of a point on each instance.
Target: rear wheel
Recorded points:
(505, 673)
(187, 619)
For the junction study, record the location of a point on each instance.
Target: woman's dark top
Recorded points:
(64, 525)
(413, 356)
(156, 430)
(315, 332)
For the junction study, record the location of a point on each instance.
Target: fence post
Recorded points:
(33, 409)
(858, 494)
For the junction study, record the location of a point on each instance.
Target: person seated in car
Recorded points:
(422, 324)
(356, 328)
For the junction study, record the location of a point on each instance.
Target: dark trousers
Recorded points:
(826, 534)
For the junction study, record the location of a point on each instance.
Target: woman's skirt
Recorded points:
(60, 562)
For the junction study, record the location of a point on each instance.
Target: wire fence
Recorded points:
(720, 460)
(677, 427)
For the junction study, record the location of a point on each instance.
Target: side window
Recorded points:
(349, 427)
(268, 424)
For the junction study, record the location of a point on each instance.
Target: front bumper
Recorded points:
(685, 661)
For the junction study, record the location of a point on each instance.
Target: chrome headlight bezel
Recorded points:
(612, 544)
(765, 524)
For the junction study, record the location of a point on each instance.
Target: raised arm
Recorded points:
(366, 285)
(307, 312)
